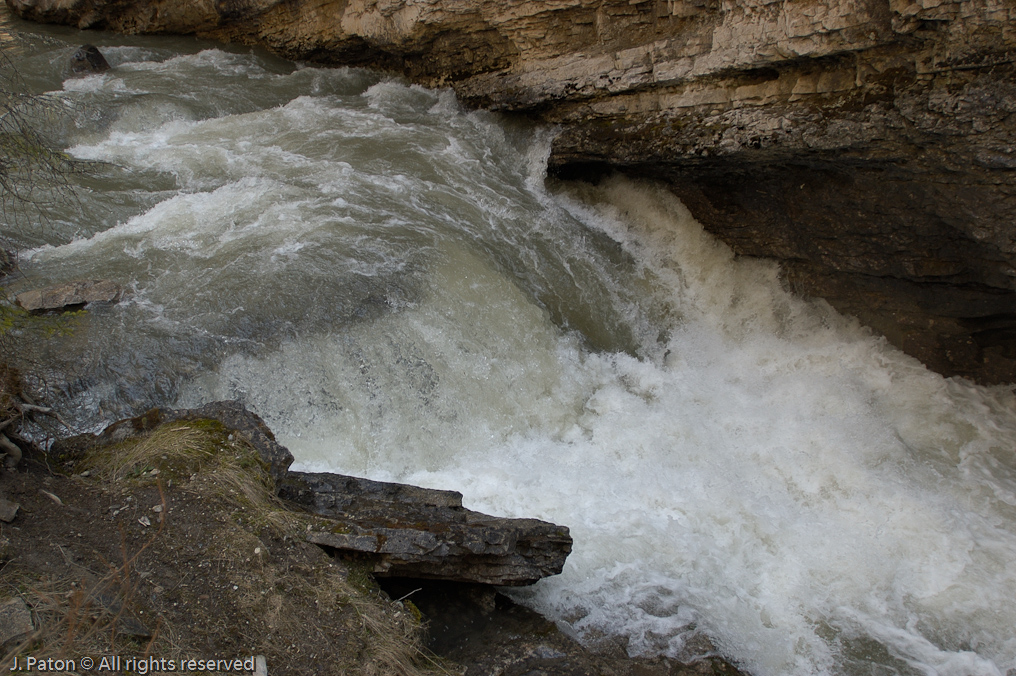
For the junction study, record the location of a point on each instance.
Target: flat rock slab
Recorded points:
(15, 620)
(407, 531)
(70, 295)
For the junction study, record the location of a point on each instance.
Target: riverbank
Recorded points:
(171, 546)
(174, 546)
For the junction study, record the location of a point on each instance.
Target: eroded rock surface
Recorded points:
(867, 145)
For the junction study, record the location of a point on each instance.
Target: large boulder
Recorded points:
(231, 414)
(866, 146)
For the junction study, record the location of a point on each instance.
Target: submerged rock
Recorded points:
(70, 295)
(407, 531)
(87, 60)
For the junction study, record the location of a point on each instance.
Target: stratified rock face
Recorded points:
(865, 144)
(406, 531)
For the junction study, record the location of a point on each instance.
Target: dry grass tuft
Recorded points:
(87, 614)
(235, 569)
(176, 447)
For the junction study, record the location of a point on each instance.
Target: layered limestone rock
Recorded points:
(866, 145)
(407, 531)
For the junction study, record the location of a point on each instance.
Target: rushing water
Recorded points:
(389, 281)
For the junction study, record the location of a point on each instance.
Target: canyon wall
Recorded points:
(867, 145)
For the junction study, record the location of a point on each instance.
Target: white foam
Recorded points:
(391, 287)
(769, 483)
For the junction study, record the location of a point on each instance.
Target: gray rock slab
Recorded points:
(408, 531)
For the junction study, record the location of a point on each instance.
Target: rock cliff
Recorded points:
(865, 144)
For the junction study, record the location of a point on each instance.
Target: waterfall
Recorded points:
(392, 283)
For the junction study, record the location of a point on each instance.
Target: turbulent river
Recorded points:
(392, 283)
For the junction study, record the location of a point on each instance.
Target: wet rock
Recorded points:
(70, 296)
(8, 262)
(487, 633)
(87, 60)
(15, 621)
(407, 531)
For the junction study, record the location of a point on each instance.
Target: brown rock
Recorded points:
(70, 295)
